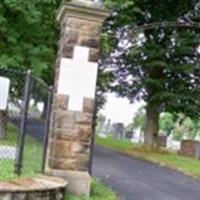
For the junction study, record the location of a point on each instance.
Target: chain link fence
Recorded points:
(25, 102)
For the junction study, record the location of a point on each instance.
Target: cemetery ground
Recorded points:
(186, 165)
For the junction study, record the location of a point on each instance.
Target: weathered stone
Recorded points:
(69, 149)
(61, 102)
(85, 40)
(6, 196)
(64, 119)
(71, 131)
(70, 37)
(81, 132)
(94, 55)
(88, 105)
(62, 164)
(35, 188)
(189, 148)
(79, 181)
(83, 118)
(67, 51)
(83, 25)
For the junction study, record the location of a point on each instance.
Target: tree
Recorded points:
(28, 36)
(158, 64)
(139, 120)
(167, 123)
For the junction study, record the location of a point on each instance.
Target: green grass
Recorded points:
(186, 165)
(32, 155)
(99, 192)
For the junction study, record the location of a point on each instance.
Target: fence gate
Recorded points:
(23, 123)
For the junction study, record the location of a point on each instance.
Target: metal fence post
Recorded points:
(47, 124)
(23, 121)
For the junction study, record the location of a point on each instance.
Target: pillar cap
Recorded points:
(79, 9)
(89, 3)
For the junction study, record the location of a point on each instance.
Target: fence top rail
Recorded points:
(41, 82)
(12, 70)
(21, 72)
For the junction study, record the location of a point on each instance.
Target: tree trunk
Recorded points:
(152, 126)
(2, 125)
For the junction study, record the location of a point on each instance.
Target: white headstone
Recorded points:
(4, 92)
(77, 78)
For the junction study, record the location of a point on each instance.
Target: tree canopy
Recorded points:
(28, 36)
(157, 64)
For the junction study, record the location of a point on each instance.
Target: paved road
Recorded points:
(135, 179)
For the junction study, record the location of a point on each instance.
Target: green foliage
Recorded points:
(139, 119)
(28, 36)
(159, 65)
(167, 123)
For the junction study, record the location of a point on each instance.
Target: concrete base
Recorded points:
(79, 183)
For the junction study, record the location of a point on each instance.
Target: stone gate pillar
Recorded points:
(69, 143)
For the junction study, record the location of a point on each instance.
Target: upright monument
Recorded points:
(69, 145)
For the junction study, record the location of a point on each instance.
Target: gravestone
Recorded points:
(107, 128)
(190, 148)
(4, 93)
(71, 130)
(118, 131)
(162, 140)
(129, 135)
(138, 136)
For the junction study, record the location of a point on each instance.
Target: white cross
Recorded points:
(77, 78)
(4, 92)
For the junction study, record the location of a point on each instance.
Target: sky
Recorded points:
(119, 109)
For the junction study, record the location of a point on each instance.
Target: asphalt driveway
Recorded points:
(134, 179)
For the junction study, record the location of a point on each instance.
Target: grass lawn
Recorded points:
(189, 166)
(32, 155)
(99, 192)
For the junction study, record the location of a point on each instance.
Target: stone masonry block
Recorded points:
(70, 36)
(69, 149)
(64, 119)
(61, 102)
(83, 25)
(81, 132)
(88, 105)
(62, 163)
(83, 118)
(66, 51)
(94, 55)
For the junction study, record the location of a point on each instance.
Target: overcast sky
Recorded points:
(119, 109)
